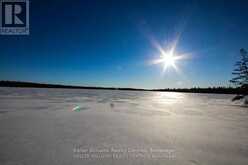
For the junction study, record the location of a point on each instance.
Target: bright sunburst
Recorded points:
(168, 58)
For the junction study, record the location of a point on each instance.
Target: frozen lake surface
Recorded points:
(39, 127)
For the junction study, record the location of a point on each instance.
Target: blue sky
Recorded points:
(108, 43)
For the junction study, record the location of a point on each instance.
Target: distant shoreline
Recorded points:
(214, 90)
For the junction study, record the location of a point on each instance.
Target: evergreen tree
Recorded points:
(241, 75)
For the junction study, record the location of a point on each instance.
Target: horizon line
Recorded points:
(213, 89)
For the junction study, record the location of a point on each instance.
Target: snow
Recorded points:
(39, 126)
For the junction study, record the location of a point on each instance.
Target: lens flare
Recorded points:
(169, 58)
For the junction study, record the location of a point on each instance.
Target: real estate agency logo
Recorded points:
(14, 17)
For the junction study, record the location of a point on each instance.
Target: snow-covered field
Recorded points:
(39, 127)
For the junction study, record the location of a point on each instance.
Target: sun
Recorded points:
(168, 59)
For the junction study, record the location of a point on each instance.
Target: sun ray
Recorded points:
(169, 58)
